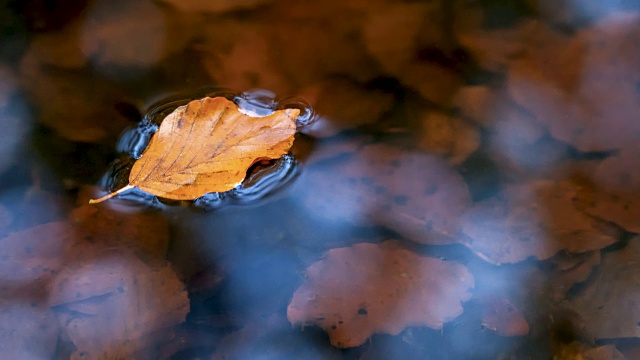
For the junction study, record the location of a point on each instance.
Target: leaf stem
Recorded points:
(109, 196)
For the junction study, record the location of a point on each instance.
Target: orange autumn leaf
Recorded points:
(207, 146)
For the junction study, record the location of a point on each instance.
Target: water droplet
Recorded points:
(306, 117)
(267, 180)
(256, 102)
(260, 102)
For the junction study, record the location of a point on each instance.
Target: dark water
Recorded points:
(463, 182)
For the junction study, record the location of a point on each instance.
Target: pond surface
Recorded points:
(463, 183)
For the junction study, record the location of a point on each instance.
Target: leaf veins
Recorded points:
(207, 146)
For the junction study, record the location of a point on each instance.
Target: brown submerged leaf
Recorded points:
(533, 219)
(93, 303)
(608, 303)
(355, 292)
(207, 146)
(413, 193)
(503, 317)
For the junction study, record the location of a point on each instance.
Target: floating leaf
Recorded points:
(357, 291)
(207, 146)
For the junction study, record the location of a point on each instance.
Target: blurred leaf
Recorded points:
(357, 291)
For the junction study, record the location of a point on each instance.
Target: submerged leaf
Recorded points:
(413, 193)
(608, 303)
(503, 317)
(357, 291)
(207, 146)
(534, 219)
(29, 330)
(115, 305)
(614, 193)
